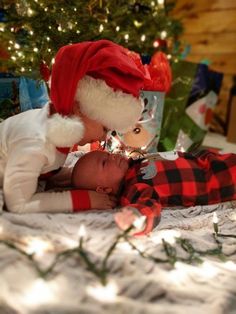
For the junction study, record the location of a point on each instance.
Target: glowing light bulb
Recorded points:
(22, 69)
(107, 293)
(155, 44)
(168, 235)
(124, 246)
(37, 246)
(208, 270)
(179, 274)
(143, 37)
(70, 25)
(137, 24)
(17, 46)
(230, 265)
(163, 34)
(117, 28)
(139, 222)
(59, 28)
(215, 223)
(101, 28)
(30, 12)
(232, 216)
(13, 58)
(35, 49)
(215, 218)
(82, 232)
(31, 33)
(126, 37)
(39, 293)
(161, 2)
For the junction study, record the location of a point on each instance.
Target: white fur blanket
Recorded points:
(142, 286)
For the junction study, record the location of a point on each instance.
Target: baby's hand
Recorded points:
(102, 200)
(125, 218)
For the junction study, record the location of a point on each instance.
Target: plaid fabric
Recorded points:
(191, 179)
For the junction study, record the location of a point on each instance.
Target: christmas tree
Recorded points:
(33, 30)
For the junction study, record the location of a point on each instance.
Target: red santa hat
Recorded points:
(105, 80)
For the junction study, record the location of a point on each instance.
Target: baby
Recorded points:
(143, 187)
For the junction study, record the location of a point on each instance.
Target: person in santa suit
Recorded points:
(169, 179)
(94, 87)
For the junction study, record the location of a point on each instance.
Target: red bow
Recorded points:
(157, 74)
(160, 73)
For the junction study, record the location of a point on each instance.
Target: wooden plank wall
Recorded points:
(210, 29)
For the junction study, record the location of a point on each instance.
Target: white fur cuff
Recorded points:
(114, 109)
(64, 131)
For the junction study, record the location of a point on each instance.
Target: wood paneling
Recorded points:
(220, 44)
(210, 22)
(210, 30)
(191, 7)
(225, 63)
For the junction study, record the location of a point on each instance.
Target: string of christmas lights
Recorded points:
(32, 31)
(101, 270)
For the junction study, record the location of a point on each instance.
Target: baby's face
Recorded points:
(99, 168)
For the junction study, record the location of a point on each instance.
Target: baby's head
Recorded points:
(99, 171)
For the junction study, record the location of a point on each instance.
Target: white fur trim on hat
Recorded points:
(116, 110)
(64, 131)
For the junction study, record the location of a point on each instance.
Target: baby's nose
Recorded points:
(112, 156)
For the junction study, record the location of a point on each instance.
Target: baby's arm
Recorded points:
(139, 201)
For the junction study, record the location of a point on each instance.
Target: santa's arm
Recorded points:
(22, 171)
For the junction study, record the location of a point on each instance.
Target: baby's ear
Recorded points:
(103, 190)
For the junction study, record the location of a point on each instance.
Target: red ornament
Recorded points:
(4, 55)
(45, 71)
(160, 43)
(160, 73)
